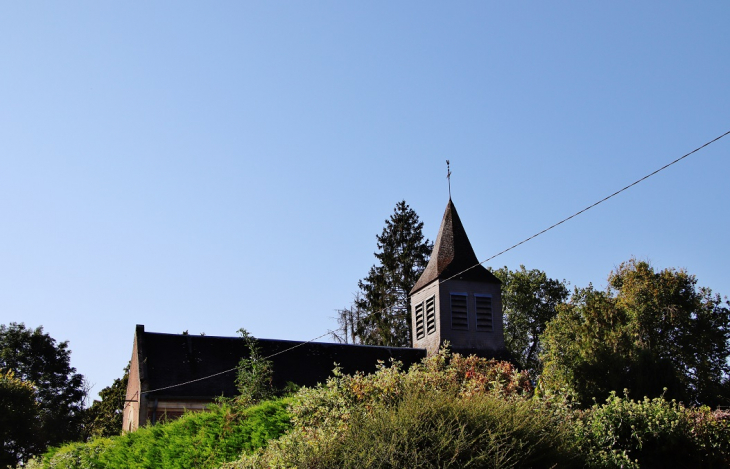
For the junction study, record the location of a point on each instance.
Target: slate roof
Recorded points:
(168, 359)
(452, 254)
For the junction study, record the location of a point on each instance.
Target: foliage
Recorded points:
(380, 314)
(529, 302)
(448, 411)
(255, 374)
(199, 440)
(453, 375)
(19, 419)
(653, 433)
(36, 358)
(648, 331)
(426, 430)
(104, 417)
(455, 411)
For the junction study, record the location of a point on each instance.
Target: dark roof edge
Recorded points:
(293, 342)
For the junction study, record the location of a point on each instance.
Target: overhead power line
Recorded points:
(475, 265)
(589, 207)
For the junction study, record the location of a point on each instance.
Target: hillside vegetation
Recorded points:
(196, 440)
(448, 411)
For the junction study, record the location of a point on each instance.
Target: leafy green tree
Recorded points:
(104, 417)
(380, 314)
(36, 358)
(648, 331)
(19, 420)
(529, 302)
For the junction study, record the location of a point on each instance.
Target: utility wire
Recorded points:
(587, 208)
(568, 218)
(475, 265)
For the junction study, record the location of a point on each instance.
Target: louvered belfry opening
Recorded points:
(459, 312)
(425, 315)
(431, 315)
(483, 305)
(420, 329)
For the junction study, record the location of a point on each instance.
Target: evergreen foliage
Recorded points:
(35, 357)
(380, 314)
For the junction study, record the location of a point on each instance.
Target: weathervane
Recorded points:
(448, 176)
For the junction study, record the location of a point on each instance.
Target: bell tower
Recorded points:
(456, 299)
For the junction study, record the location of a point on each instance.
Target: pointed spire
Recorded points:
(452, 254)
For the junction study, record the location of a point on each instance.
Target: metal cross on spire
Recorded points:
(448, 176)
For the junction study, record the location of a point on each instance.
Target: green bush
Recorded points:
(196, 440)
(335, 402)
(653, 433)
(425, 430)
(449, 411)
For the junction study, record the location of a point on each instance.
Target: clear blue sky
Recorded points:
(207, 166)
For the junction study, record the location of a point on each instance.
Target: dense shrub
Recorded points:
(449, 411)
(653, 433)
(335, 401)
(482, 431)
(424, 430)
(196, 440)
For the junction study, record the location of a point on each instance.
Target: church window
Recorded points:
(431, 315)
(459, 316)
(484, 313)
(420, 330)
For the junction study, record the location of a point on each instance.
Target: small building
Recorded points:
(456, 300)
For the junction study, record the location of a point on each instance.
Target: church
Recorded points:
(456, 300)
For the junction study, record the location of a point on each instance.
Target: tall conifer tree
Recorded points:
(380, 314)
